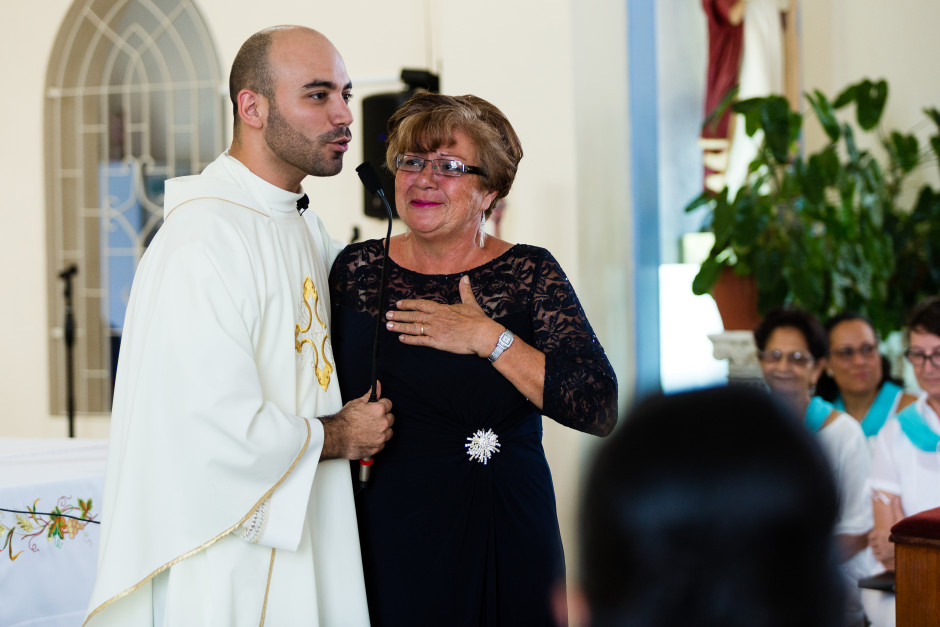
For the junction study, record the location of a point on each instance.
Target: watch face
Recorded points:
(502, 343)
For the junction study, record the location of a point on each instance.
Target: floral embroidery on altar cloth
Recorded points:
(24, 530)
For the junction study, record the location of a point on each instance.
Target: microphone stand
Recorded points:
(370, 179)
(69, 333)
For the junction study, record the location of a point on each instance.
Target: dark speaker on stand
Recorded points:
(376, 110)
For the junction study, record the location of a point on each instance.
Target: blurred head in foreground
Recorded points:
(710, 507)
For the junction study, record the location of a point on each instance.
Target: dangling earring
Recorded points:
(482, 228)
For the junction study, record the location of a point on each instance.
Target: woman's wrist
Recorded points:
(503, 342)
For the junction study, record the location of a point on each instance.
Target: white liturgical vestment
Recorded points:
(216, 511)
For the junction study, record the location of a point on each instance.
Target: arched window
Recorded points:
(134, 96)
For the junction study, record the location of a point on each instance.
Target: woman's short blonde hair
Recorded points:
(427, 121)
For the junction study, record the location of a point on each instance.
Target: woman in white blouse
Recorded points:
(906, 465)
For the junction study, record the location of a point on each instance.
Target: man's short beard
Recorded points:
(291, 146)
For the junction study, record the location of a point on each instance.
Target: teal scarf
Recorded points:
(916, 429)
(878, 412)
(816, 413)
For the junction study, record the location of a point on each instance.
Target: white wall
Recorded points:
(24, 379)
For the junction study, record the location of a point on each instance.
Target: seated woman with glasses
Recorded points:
(792, 350)
(856, 379)
(905, 474)
(481, 338)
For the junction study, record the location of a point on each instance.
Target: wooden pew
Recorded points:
(917, 569)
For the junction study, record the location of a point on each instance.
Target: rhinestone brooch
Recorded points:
(482, 445)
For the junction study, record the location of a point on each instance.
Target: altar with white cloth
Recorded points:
(50, 514)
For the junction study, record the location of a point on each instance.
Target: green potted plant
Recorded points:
(827, 230)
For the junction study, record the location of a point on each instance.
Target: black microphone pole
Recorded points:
(370, 179)
(69, 333)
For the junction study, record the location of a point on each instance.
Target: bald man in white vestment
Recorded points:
(228, 499)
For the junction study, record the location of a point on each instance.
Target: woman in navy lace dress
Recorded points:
(482, 337)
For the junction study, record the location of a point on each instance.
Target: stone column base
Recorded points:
(739, 349)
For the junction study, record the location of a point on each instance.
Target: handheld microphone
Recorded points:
(370, 179)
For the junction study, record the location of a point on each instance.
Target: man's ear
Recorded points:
(252, 108)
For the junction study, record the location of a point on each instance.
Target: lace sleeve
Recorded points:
(355, 277)
(580, 384)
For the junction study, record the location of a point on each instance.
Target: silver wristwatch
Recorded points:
(504, 342)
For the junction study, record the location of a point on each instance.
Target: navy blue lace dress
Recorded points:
(447, 539)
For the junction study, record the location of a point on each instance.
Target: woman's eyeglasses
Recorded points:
(446, 167)
(795, 358)
(918, 358)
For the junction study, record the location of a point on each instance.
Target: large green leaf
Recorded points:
(723, 218)
(850, 147)
(935, 144)
(906, 150)
(870, 99)
(826, 114)
(751, 110)
(927, 208)
(822, 171)
(796, 126)
(829, 159)
(775, 120)
(847, 206)
(847, 96)
(772, 288)
(815, 179)
(751, 219)
(933, 114)
(705, 198)
(707, 276)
